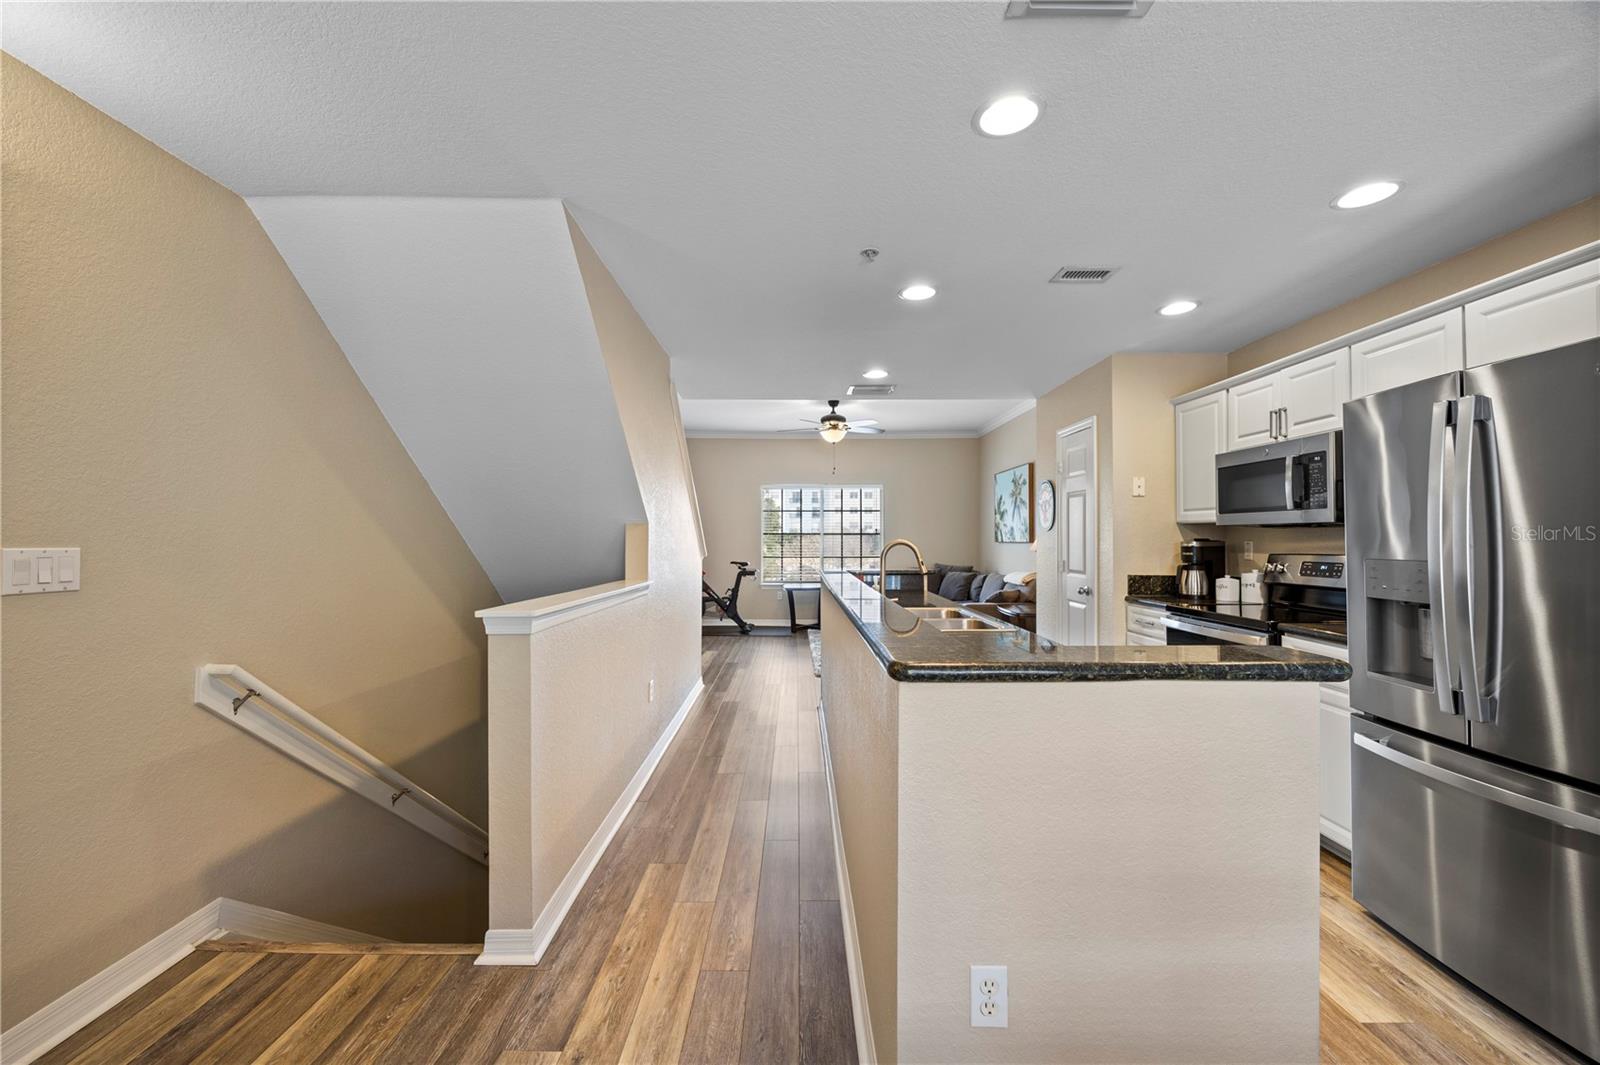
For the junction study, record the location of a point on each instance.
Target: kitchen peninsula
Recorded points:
(1131, 831)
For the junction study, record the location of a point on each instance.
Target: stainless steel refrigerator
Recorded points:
(1472, 519)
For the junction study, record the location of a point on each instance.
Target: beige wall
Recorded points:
(573, 702)
(1000, 449)
(1146, 529)
(1086, 395)
(1550, 236)
(1149, 905)
(861, 718)
(927, 498)
(174, 406)
(1128, 395)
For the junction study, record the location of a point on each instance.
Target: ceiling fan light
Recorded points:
(834, 432)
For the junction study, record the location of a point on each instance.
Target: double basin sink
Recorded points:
(953, 619)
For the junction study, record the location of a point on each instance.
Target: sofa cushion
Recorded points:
(957, 585)
(988, 587)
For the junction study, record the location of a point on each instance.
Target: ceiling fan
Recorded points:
(834, 427)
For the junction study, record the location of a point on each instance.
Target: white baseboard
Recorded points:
(526, 946)
(34, 1035)
(866, 1051)
(1336, 834)
(237, 918)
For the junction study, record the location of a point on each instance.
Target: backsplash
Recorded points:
(1152, 584)
(1307, 540)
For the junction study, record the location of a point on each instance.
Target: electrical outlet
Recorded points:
(1138, 487)
(1249, 550)
(989, 996)
(652, 689)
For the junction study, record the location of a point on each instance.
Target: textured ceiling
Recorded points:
(729, 160)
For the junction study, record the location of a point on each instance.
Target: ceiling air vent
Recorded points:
(869, 390)
(1032, 8)
(1081, 275)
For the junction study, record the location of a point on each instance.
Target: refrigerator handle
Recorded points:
(1441, 592)
(1480, 601)
(1549, 811)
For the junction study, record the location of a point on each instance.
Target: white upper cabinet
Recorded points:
(1312, 394)
(1561, 308)
(1201, 432)
(1306, 397)
(1413, 352)
(1253, 412)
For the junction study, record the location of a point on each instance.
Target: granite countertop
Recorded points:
(912, 650)
(1245, 615)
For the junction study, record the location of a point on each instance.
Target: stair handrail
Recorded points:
(234, 694)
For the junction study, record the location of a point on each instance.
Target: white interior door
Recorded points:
(1075, 525)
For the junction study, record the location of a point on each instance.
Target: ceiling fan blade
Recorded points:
(864, 423)
(786, 432)
(871, 430)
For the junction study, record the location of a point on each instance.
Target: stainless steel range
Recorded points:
(1472, 510)
(1301, 592)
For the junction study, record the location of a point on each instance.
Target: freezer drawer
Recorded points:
(1494, 872)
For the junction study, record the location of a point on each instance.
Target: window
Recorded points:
(807, 529)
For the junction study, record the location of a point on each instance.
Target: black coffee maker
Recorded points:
(1200, 563)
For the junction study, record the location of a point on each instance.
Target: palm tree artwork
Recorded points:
(1013, 505)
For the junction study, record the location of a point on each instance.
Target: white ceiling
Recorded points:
(729, 160)
(918, 417)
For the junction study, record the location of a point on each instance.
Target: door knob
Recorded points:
(1083, 589)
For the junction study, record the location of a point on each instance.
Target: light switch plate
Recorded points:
(22, 568)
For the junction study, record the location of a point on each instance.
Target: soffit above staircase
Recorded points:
(468, 322)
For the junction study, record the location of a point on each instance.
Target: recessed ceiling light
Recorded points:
(875, 375)
(1007, 115)
(917, 293)
(1177, 307)
(1367, 195)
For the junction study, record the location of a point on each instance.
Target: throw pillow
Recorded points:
(957, 586)
(992, 584)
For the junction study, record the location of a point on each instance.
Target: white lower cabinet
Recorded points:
(1333, 743)
(1144, 625)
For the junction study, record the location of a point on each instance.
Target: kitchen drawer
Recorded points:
(1146, 621)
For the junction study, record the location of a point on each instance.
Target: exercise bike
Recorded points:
(728, 604)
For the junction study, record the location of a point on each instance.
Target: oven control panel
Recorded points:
(1321, 570)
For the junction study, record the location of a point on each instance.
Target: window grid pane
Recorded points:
(807, 530)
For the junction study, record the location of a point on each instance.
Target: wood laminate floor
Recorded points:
(708, 933)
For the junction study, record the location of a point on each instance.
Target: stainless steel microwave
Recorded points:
(1287, 482)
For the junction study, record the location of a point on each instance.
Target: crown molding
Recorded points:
(1005, 416)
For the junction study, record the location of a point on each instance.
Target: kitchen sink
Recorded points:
(967, 624)
(937, 612)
